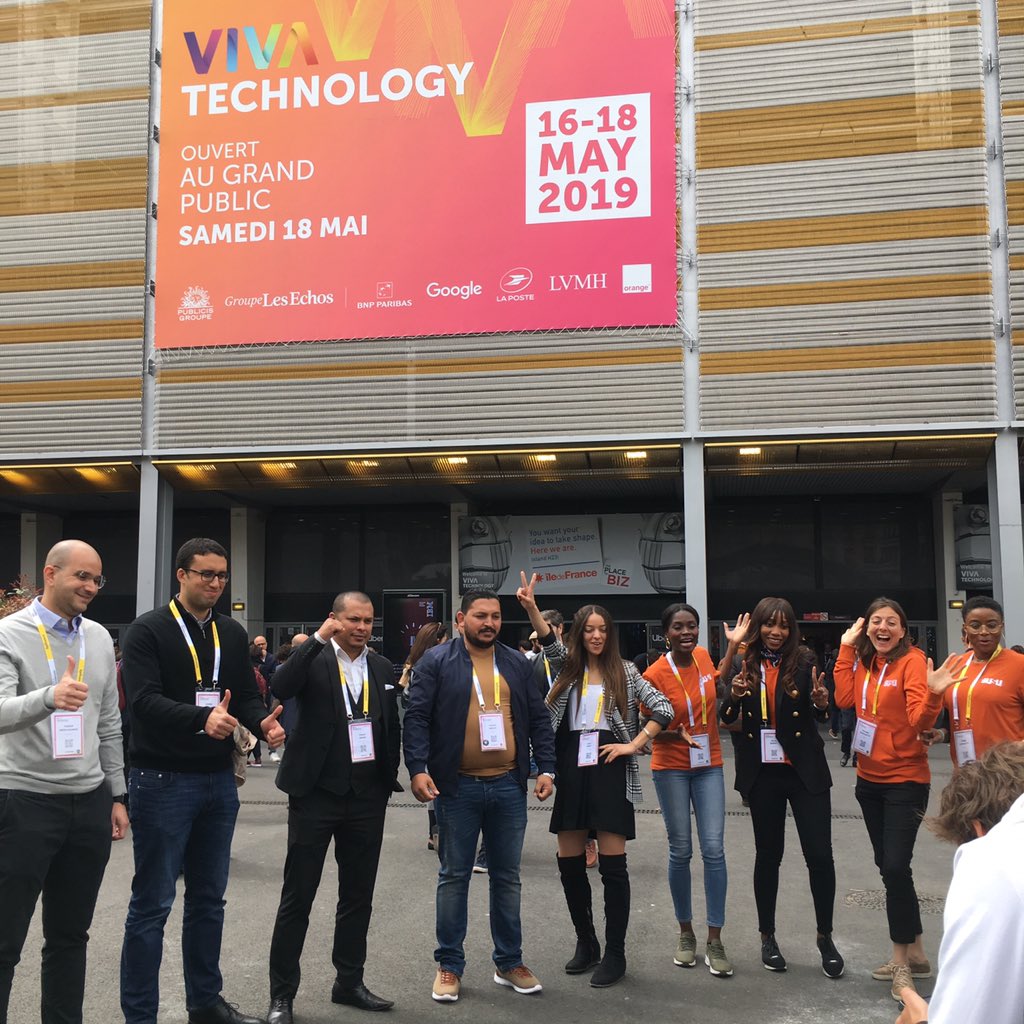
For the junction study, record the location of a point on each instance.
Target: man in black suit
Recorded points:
(339, 769)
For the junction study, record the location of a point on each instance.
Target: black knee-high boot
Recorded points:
(576, 887)
(616, 919)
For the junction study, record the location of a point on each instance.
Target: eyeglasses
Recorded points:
(983, 627)
(208, 575)
(87, 577)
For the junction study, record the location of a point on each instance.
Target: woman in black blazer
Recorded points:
(774, 695)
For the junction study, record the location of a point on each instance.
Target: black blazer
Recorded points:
(795, 726)
(310, 676)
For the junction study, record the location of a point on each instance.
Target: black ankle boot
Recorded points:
(616, 919)
(576, 886)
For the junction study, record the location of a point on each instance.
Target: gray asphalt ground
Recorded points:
(401, 939)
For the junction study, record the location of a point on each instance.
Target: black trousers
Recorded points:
(776, 786)
(356, 824)
(892, 813)
(57, 846)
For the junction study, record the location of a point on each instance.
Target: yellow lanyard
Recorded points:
(764, 695)
(700, 686)
(80, 670)
(878, 688)
(192, 648)
(480, 690)
(970, 689)
(547, 670)
(583, 696)
(345, 690)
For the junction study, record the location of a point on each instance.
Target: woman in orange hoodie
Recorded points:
(885, 679)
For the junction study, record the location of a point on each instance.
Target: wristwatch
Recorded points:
(120, 799)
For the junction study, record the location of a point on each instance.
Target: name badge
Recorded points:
(700, 755)
(67, 730)
(771, 748)
(360, 741)
(864, 737)
(492, 731)
(588, 749)
(207, 698)
(963, 741)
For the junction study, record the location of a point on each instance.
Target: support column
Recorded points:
(39, 532)
(695, 533)
(1004, 515)
(455, 512)
(947, 585)
(248, 567)
(156, 520)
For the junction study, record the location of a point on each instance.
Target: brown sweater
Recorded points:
(475, 760)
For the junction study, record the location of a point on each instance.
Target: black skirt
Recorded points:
(592, 798)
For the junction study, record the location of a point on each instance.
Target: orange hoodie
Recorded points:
(901, 708)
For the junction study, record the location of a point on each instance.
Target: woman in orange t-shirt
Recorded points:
(687, 770)
(883, 677)
(982, 690)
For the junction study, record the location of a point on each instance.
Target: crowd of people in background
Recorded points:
(95, 747)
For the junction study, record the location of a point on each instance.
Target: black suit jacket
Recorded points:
(310, 676)
(796, 728)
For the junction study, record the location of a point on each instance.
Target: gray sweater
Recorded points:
(26, 703)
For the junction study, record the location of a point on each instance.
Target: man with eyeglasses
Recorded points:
(61, 779)
(189, 682)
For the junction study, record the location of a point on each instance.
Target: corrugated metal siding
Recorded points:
(1011, 73)
(73, 135)
(843, 252)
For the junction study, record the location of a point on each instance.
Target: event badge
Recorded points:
(207, 698)
(864, 737)
(360, 741)
(771, 748)
(67, 729)
(588, 749)
(963, 740)
(492, 731)
(700, 755)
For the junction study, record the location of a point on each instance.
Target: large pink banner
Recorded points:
(401, 168)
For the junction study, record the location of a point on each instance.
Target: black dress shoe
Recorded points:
(360, 997)
(221, 1013)
(280, 1012)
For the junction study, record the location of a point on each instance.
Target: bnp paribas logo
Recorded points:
(195, 304)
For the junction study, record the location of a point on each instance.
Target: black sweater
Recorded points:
(160, 691)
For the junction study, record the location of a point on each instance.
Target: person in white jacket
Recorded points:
(982, 810)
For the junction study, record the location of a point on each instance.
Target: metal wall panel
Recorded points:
(1011, 76)
(842, 215)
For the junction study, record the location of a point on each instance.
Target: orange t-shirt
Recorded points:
(995, 702)
(697, 678)
(905, 708)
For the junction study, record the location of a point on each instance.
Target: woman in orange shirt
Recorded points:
(780, 760)
(883, 677)
(983, 690)
(687, 770)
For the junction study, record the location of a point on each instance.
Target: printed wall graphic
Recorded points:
(340, 169)
(973, 547)
(614, 554)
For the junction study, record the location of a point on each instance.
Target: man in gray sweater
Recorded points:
(61, 777)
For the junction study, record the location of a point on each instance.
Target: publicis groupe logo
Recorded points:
(469, 290)
(195, 305)
(513, 284)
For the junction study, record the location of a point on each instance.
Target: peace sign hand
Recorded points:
(819, 692)
(525, 592)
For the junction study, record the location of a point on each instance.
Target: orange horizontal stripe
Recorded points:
(49, 276)
(1015, 201)
(1011, 17)
(63, 18)
(69, 187)
(77, 330)
(91, 390)
(815, 293)
(840, 129)
(838, 30)
(1013, 108)
(421, 367)
(67, 99)
(842, 229)
(853, 357)
(1017, 262)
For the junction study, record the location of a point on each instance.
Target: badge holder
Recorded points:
(67, 731)
(492, 731)
(963, 743)
(207, 698)
(588, 750)
(864, 737)
(700, 755)
(771, 748)
(360, 741)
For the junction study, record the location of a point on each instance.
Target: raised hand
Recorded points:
(525, 592)
(273, 731)
(330, 626)
(819, 691)
(740, 686)
(69, 694)
(851, 635)
(942, 678)
(220, 723)
(739, 631)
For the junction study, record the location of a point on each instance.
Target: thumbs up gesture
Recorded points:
(220, 724)
(273, 731)
(69, 694)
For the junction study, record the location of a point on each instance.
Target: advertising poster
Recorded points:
(614, 554)
(342, 169)
(973, 547)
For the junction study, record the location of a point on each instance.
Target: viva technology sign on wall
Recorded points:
(399, 168)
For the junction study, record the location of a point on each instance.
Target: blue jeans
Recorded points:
(496, 807)
(179, 820)
(705, 789)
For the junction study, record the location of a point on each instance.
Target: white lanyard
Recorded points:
(497, 687)
(80, 669)
(581, 703)
(345, 690)
(878, 688)
(192, 648)
(700, 686)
